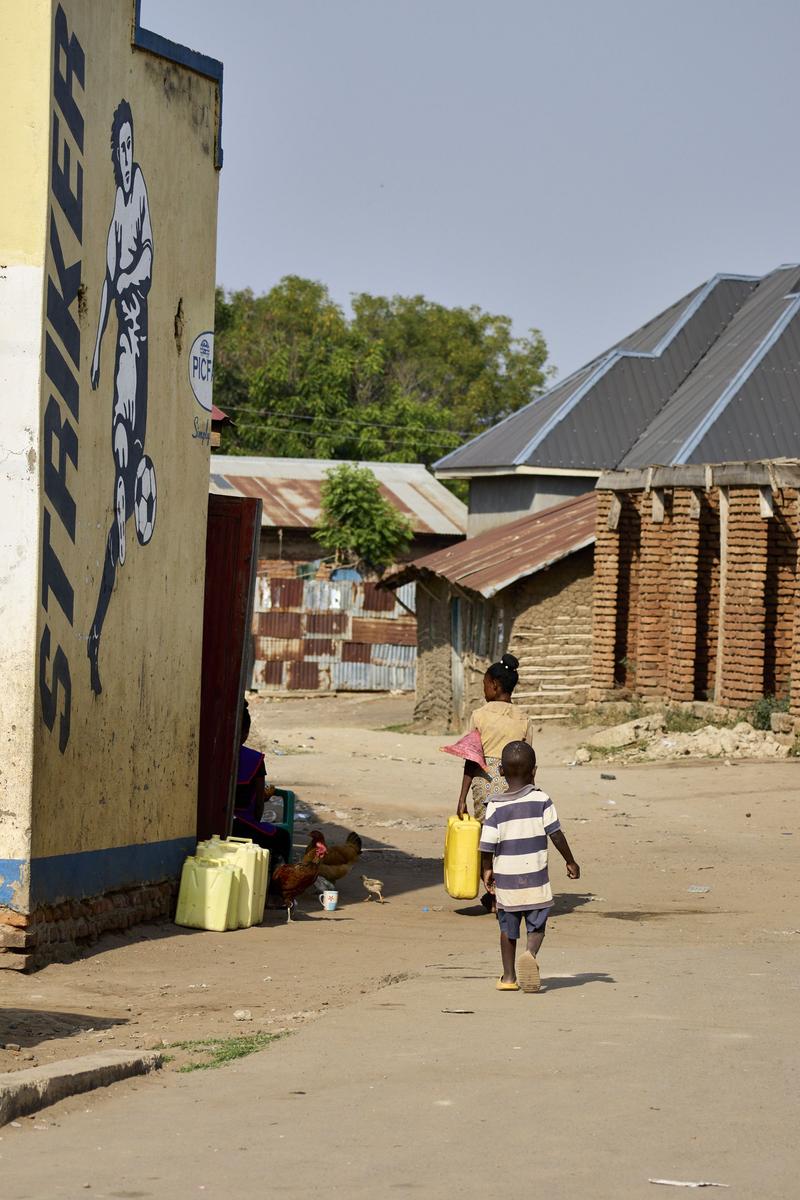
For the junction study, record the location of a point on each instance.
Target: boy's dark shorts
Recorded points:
(511, 922)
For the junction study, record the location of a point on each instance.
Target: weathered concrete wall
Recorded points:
(112, 528)
(496, 499)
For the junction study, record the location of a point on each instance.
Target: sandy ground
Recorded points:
(681, 1002)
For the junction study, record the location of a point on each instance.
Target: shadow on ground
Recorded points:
(28, 1027)
(553, 984)
(563, 905)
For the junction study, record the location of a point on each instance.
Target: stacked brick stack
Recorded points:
(604, 607)
(780, 592)
(740, 674)
(680, 604)
(653, 609)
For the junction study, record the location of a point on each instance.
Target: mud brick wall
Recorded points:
(716, 578)
(780, 596)
(680, 602)
(604, 603)
(741, 673)
(707, 597)
(434, 690)
(626, 639)
(53, 932)
(544, 619)
(652, 612)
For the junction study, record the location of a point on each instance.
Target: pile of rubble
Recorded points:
(648, 738)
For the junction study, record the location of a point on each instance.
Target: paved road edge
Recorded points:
(25, 1092)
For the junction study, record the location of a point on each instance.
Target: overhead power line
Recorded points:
(388, 442)
(342, 420)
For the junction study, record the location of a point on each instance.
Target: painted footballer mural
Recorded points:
(128, 277)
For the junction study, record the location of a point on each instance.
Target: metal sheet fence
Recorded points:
(321, 635)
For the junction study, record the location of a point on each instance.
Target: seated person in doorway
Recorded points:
(251, 775)
(252, 791)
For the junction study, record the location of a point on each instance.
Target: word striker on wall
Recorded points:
(66, 210)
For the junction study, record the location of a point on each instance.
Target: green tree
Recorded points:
(402, 380)
(359, 525)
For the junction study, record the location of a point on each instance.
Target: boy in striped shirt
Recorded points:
(514, 863)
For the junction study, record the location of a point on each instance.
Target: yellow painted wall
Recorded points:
(24, 140)
(119, 769)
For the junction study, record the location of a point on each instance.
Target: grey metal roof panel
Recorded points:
(673, 427)
(629, 394)
(763, 418)
(498, 446)
(590, 420)
(647, 337)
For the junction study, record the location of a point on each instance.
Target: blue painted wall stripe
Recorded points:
(92, 872)
(11, 870)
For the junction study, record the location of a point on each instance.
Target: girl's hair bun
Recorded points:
(508, 660)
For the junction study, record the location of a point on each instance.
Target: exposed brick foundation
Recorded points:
(55, 932)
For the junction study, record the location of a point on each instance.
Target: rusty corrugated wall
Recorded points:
(323, 635)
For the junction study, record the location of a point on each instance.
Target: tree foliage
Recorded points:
(359, 525)
(401, 380)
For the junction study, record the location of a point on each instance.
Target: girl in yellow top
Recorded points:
(498, 722)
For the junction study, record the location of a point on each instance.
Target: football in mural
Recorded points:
(144, 503)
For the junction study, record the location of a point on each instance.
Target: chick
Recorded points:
(374, 888)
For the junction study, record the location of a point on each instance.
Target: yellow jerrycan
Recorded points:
(221, 850)
(209, 894)
(257, 874)
(462, 861)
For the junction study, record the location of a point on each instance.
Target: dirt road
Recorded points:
(667, 1022)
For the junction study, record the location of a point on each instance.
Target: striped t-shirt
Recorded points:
(515, 831)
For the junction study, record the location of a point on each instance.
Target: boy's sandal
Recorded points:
(528, 972)
(506, 987)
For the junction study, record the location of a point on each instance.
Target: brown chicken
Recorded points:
(288, 882)
(338, 859)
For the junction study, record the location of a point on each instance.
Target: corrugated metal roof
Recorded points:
(591, 421)
(494, 560)
(633, 391)
(741, 363)
(289, 490)
(763, 419)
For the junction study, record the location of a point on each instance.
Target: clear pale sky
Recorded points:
(576, 164)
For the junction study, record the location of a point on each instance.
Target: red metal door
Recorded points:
(232, 537)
